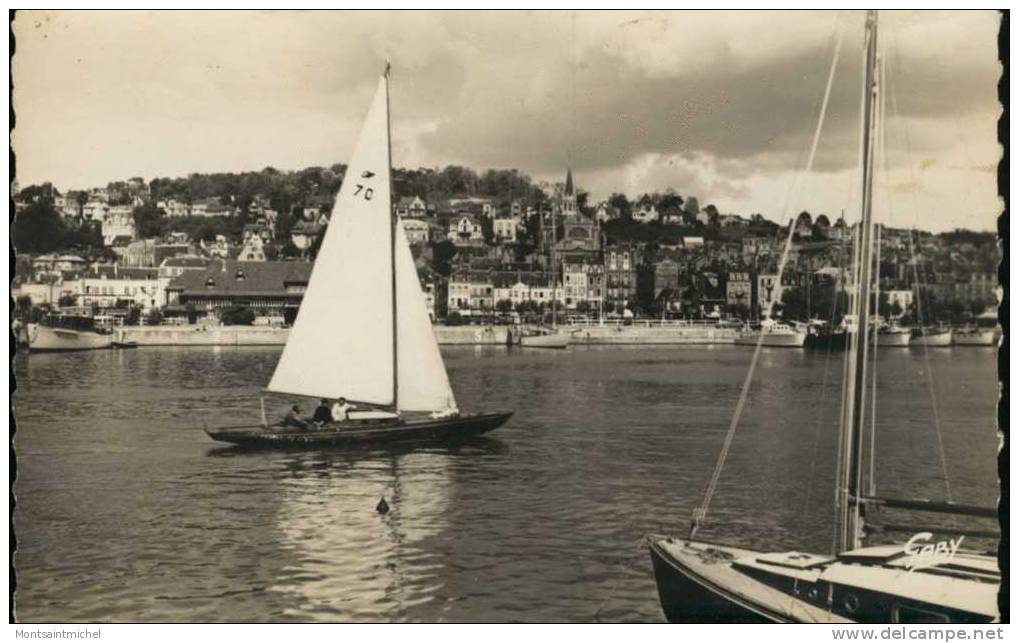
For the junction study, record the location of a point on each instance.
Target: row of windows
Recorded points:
(110, 290)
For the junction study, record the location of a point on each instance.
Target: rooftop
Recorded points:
(243, 278)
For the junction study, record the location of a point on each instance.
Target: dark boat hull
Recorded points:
(689, 598)
(700, 581)
(355, 434)
(828, 341)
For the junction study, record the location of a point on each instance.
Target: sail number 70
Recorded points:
(367, 194)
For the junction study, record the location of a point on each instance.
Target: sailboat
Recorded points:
(362, 332)
(920, 581)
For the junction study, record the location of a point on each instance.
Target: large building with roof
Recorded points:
(271, 289)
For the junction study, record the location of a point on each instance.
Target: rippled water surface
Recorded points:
(128, 512)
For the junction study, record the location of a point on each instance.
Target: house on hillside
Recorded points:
(645, 210)
(411, 207)
(465, 229)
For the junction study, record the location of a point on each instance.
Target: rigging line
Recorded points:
(882, 150)
(700, 513)
(820, 411)
(916, 275)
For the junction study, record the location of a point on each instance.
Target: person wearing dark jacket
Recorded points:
(323, 413)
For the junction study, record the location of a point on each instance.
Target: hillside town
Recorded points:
(237, 249)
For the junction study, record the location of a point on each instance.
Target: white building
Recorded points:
(67, 206)
(583, 282)
(904, 298)
(411, 207)
(506, 230)
(644, 211)
(470, 293)
(53, 263)
(520, 292)
(429, 290)
(253, 249)
(174, 208)
(210, 208)
(44, 293)
(118, 225)
(112, 286)
(605, 212)
(94, 210)
(768, 289)
(465, 229)
(417, 231)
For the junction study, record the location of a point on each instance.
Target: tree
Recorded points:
(149, 221)
(622, 204)
(155, 317)
(713, 215)
(43, 193)
(38, 228)
(582, 206)
(488, 230)
(442, 255)
(133, 316)
(237, 316)
(66, 301)
(504, 306)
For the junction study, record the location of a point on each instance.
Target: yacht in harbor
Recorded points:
(773, 334)
(893, 335)
(974, 337)
(935, 337)
(62, 333)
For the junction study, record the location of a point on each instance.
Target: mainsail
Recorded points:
(343, 340)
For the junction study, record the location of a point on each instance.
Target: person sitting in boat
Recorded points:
(293, 418)
(341, 410)
(323, 414)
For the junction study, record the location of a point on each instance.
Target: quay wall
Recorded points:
(202, 335)
(637, 334)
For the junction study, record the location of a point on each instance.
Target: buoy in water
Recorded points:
(383, 506)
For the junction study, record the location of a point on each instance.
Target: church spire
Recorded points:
(569, 181)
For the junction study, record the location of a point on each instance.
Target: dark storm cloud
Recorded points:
(609, 111)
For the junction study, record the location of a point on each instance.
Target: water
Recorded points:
(128, 512)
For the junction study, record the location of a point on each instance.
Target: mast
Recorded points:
(851, 533)
(555, 297)
(392, 242)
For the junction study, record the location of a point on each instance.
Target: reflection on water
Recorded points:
(127, 512)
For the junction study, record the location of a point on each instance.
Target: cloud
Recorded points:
(720, 104)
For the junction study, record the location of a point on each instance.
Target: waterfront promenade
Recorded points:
(472, 335)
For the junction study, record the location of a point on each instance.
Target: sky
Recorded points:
(717, 105)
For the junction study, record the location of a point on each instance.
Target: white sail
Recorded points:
(341, 344)
(422, 383)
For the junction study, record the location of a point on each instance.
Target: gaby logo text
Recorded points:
(924, 553)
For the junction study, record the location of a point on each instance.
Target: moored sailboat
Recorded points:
(703, 581)
(362, 332)
(974, 337)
